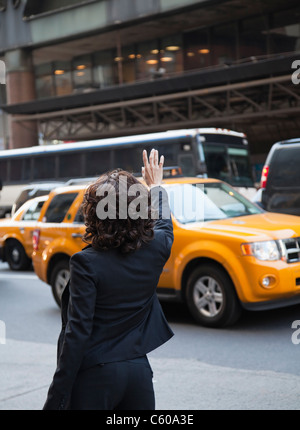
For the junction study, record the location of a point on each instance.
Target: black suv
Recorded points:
(281, 178)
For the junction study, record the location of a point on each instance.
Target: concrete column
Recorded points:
(20, 87)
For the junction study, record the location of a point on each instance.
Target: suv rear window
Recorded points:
(59, 207)
(284, 168)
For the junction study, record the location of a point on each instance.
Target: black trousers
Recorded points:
(124, 385)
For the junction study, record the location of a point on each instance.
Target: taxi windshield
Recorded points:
(202, 202)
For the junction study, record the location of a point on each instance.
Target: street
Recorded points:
(251, 366)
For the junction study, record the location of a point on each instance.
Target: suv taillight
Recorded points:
(36, 239)
(264, 177)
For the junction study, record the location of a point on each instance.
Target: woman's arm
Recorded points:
(153, 176)
(161, 209)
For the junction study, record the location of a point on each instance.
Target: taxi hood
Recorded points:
(265, 226)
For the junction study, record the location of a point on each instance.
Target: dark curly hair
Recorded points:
(124, 233)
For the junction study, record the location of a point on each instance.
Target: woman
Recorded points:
(111, 316)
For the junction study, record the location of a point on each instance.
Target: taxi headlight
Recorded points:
(264, 251)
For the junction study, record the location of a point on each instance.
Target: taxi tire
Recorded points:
(16, 256)
(60, 269)
(230, 309)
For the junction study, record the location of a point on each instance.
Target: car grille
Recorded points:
(292, 249)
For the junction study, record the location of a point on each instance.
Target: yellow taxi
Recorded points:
(16, 234)
(228, 254)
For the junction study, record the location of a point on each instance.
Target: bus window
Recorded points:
(3, 170)
(69, 166)
(16, 170)
(20, 169)
(186, 162)
(97, 162)
(172, 150)
(26, 176)
(216, 162)
(128, 159)
(240, 167)
(44, 167)
(169, 151)
(229, 164)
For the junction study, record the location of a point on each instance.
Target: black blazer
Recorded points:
(110, 310)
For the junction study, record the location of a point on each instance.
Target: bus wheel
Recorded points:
(16, 256)
(211, 297)
(59, 277)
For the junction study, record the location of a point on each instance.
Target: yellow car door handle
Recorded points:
(77, 236)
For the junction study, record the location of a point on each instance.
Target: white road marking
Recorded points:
(6, 276)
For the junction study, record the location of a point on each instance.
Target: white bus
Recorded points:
(212, 152)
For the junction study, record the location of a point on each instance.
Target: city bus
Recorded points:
(207, 152)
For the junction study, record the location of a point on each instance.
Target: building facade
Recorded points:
(97, 68)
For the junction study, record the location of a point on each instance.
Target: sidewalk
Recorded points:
(26, 370)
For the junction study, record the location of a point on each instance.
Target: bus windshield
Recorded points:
(228, 163)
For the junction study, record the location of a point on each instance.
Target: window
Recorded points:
(97, 162)
(224, 138)
(128, 64)
(171, 151)
(20, 169)
(187, 164)
(285, 31)
(284, 171)
(171, 54)
(82, 72)
(216, 162)
(69, 165)
(36, 8)
(3, 170)
(44, 81)
(129, 159)
(223, 44)
(197, 49)
(44, 167)
(79, 219)
(231, 165)
(33, 212)
(147, 59)
(104, 70)
(228, 201)
(63, 78)
(59, 207)
(253, 37)
(240, 167)
(206, 202)
(16, 170)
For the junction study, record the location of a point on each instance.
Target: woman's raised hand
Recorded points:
(153, 168)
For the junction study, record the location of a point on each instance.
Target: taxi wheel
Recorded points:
(16, 256)
(59, 278)
(211, 297)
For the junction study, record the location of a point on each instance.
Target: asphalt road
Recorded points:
(252, 366)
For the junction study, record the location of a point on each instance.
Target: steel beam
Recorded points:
(224, 104)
